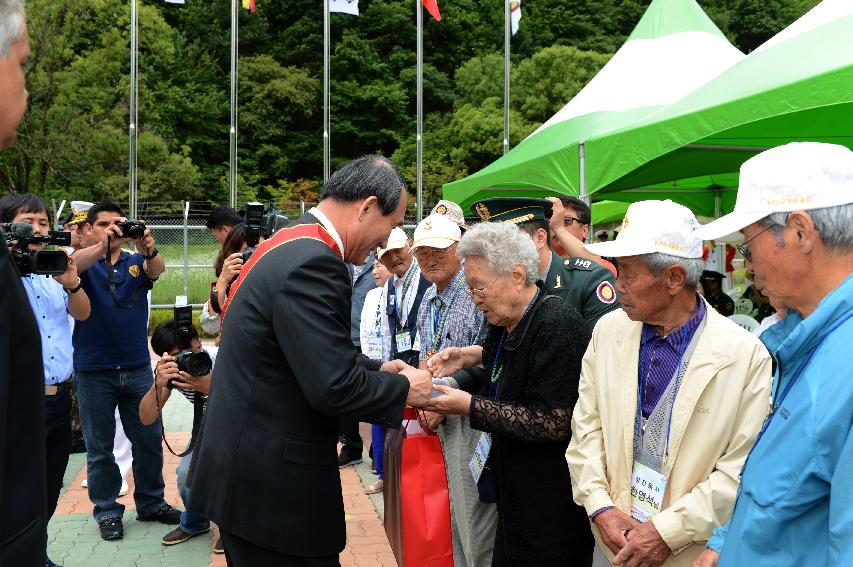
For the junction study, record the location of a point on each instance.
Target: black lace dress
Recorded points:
(539, 524)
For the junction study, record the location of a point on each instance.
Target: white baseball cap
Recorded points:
(451, 210)
(396, 240)
(653, 226)
(436, 231)
(795, 177)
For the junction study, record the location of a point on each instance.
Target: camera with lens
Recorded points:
(193, 363)
(260, 222)
(42, 262)
(132, 229)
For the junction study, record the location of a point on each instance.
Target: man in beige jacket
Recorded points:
(672, 396)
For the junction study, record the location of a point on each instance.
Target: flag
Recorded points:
(515, 14)
(344, 6)
(249, 5)
(432, 8)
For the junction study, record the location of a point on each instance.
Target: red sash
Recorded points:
(299, 232)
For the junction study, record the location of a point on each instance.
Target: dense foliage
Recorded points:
(73, 143)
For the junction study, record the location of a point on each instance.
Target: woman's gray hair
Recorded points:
(657, 262)
(835, 225)
(12, 17)
(503, 246)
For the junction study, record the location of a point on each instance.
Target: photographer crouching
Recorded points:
(185, 367)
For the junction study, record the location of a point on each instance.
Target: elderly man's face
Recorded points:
(438, 265)
(642, 294)
(774, 273)
(398, 261)
(373, 228)
(13, 91)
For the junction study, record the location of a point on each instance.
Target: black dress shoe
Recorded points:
(348, 457)
(111, 528)
(165, 514)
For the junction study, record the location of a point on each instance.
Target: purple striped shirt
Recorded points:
(660, 357)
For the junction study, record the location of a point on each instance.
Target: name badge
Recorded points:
(417, 345)
(481, 455)
(374, 348)
(647, 489)
(404, 341)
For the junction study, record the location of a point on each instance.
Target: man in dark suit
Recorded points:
(23, 493)
(266, 467)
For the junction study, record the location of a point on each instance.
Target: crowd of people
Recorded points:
(593, 406)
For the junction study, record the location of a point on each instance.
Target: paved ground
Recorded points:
(73, 533)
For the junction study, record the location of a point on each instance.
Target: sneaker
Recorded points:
(348, 457)
(111, 528)
(84, 483)
(165, 514)
(180, 535)
(123, 490)
(217, 547)
(375, 488)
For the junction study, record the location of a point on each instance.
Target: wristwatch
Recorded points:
(154, 253)
(76, 288)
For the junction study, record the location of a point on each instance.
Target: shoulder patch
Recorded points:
(134, 270)
(605, 293)
(579, 264)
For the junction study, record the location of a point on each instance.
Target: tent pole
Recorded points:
(420, 113)
(326, 140)
(507, 39)
(720, 250)
(134, 52)
(582, 159)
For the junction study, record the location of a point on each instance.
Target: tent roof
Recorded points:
(674, 49)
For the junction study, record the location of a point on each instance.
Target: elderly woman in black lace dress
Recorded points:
(531, 357)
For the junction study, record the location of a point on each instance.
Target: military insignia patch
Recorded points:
(483, 211)
(605, 293)
(625, 223)
(134, 271)
(441, 209)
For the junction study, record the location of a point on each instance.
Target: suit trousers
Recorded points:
(57, 441)
(241, 553)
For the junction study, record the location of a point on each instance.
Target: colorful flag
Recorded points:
(515, 14)
(344, 6)
(432, 8)
(249, 5)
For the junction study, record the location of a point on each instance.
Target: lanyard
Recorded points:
(439, 323)
(407, 283)
(496, 371)
(377, 322)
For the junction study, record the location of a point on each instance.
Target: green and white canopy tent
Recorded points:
(674, 49)
(798, 86)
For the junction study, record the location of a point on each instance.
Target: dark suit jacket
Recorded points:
(23, 496)
(266, 467)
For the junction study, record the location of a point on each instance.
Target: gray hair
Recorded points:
(367, 176)
(834, 224)
(657, 262)
(503, 246)
(12, 17)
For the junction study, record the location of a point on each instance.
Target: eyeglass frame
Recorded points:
(567, 221)
(745, 249)
(438, 254)
(480, 292)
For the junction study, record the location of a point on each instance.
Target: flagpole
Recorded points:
(232, 133)
(507, 39)
(134, 51)
(420, 112)
(326, 141)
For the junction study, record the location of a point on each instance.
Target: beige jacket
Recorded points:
(721, 404)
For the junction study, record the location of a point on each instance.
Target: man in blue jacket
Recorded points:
(794, 214)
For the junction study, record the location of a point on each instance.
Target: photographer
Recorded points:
(228, 265)
(165, 340)
(112, 367)
(52, 299)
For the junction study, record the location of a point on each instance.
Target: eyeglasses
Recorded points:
(745, 249)
(438, 254)
(567, 220)
(481, 292)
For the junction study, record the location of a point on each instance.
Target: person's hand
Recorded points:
(420, 386)
(166, 369)
(613, 524)
(558, 213)
(113, 236)
(230, 268)
(431, 420)
(68, 278)
(645, 548)
(446, 363)
(394, 366)
(145, 245)
(708, 558)
(193, 383)
(451, 400)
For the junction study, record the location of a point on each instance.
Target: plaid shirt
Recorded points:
(464, 320)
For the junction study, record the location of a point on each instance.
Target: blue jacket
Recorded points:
(795, 506)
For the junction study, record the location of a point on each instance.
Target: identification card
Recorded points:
(481, 455)
(404, 341)
(417, 345)
(647, 489)
(374, 348)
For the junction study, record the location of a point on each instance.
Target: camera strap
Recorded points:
(198, 412)
(142, 287)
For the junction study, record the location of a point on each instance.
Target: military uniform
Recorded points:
(580, 282)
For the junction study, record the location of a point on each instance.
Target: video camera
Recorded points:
(260, 222)
(42, 262)
(194, 363)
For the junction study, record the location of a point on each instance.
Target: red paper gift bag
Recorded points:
(417, 502)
